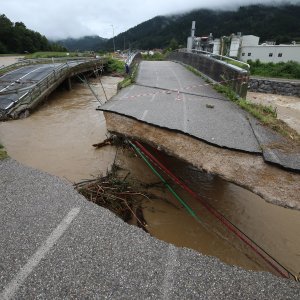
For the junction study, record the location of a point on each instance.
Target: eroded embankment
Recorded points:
(273, 184)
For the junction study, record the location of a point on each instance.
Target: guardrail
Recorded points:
(34, 93)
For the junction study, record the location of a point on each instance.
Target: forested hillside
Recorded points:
(87, 43)
(16, 38)
(279, 23)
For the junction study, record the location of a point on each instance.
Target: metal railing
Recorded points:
(225, 59)
(32, 94)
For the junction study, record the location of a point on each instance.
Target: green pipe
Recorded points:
(186, 206)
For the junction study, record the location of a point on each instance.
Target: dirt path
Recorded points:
(288, 107)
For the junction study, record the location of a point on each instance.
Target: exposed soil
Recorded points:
(250, 171)
(288, 107)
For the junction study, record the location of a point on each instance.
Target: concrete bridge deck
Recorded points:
(23, 88)
(169, 96)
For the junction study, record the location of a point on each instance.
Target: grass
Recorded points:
(156, 56)
(289, 70)
(115, 66)
(129, 79)
(55, 54)
(3, 153)
(267, 115)
(236, 63)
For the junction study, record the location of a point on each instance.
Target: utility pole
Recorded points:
(113, 38)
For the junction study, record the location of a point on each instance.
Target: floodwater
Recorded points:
(58, 139)
(287, 107)
(275, 229)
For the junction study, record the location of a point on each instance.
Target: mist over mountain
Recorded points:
(87, 43)
(280, 23)
(269, 22)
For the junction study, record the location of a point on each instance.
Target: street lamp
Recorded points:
(113, 38)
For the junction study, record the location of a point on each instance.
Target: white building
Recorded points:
(244, 47)
(247, 48)
(270, 53)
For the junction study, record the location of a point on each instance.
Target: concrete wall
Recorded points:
(275, 86)
(216, 70)
(271, 53)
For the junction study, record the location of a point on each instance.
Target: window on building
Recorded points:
(249, 54)
(270, 54)
(243, 54)
(279, 54)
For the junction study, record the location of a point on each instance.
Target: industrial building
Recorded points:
(244, 48)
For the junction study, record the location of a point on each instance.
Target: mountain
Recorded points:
(16, 38)
(280, 23)
(87, 43)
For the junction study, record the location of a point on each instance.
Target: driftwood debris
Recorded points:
(106, 142)
(117, 195)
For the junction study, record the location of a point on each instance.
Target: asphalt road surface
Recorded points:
(56, 245)
(167, 95)
(15, 84)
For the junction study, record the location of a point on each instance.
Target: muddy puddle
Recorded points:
(58, 139)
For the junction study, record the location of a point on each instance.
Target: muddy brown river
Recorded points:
(58, 139)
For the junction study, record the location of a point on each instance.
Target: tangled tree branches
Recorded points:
(117, 195)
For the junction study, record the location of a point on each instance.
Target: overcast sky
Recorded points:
(76, 18)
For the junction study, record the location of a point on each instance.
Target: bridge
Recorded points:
(55, 244)
(29, 82)
(173, 109)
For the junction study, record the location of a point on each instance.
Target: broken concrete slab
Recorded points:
(276, 148)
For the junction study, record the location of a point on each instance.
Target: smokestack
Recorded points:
(193, 28)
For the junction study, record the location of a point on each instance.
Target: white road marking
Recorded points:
(169, 273)
(21, 78)
(185, 124)
(34, 260)
(126, 94)
(144, 114)
(152, 98)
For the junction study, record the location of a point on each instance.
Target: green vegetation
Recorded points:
(115, 66)
(280, 23)
(129, 79)
(50, 54)
(237, 64)
(87, 43)
(267, 115)
(155, 56)
(3, 153)
(290, 69)
(16, 38)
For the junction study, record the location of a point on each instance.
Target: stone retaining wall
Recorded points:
(274, 86)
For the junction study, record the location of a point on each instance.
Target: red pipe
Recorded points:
(219, 216)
